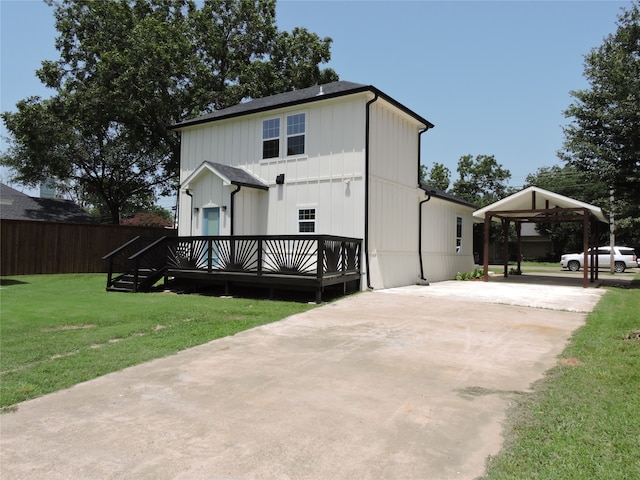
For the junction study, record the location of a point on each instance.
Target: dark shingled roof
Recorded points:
(297, 97)
(15, 205)
(434, 192)
(237, 176)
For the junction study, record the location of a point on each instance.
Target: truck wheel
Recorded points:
(619, 267)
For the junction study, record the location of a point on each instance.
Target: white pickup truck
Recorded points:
(623, 258)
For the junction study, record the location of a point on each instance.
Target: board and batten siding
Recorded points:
(328, 177)
(393, 197)
(440, 260)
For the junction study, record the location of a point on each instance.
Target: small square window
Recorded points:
(307, 220)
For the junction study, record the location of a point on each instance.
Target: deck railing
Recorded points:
(302, 255)
(313, 261)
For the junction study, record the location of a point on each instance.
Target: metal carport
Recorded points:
(536, 205)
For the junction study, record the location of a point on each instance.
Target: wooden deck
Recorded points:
(294, 262)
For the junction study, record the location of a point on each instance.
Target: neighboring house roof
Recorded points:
(229, 175)
(15, 205)
(434, 192)
(297, 97)
(531, 230)
(525, 205)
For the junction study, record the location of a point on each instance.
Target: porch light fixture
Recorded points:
(223, 208)
(196, 209)
(280, 179)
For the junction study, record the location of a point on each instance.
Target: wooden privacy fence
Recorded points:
(29, 247)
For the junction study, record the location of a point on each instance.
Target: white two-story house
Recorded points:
(338, 159)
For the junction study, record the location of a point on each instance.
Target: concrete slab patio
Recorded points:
(408, 383)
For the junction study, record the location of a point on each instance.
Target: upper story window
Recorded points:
(271, 138)
(294, 137)
(296, 129)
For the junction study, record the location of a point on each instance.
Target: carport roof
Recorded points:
(536, 204)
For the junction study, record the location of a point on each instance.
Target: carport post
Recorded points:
(505, 247)
(585, 244)
(519, 245)
(487, 223)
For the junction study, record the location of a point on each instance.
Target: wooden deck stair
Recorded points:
(127, 281)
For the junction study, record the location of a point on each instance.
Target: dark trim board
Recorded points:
(267, 281)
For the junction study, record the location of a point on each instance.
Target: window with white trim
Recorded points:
(296, 129)
(293, 136)
(306, 220)
(458, 234)
(271, 138)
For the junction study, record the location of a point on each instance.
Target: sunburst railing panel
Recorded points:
(290, 256)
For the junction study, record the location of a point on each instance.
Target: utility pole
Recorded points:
(612, 234)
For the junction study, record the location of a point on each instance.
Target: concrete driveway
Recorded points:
(407, 383)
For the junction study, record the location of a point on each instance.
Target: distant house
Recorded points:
(339, 159)
(15, 205)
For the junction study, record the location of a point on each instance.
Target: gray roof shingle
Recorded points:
(15, 205)
(296, 97)
(237, 176)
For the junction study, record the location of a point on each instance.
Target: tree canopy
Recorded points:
(128, 69)
(603, 137)
(481, 180)
(439, 176)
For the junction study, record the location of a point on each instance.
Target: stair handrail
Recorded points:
(121, 247)
(110, 257)
(147, 248)
(135, 258)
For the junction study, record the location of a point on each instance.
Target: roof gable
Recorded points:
(535, 198)
(228, 174)
(297, 97)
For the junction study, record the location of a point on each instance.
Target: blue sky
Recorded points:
(494, 77)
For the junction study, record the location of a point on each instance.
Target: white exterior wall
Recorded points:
(393, 197)
(328, 177)
(439, 257)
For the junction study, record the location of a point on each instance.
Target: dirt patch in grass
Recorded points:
(64, 328)
(635, 335)
(571, 362)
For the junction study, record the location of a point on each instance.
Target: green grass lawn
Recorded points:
(59, 330)
(583, 419)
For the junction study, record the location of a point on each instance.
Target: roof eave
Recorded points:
(324, 96)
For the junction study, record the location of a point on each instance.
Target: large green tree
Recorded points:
(567, 180)
(584, 186)
(439, 176)
(481, 180)
(128, 69)
(603, 138)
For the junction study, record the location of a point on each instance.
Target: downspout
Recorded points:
(232, 207)
(366, 190)
(420, 235)
(188, 192)
(420, 207)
